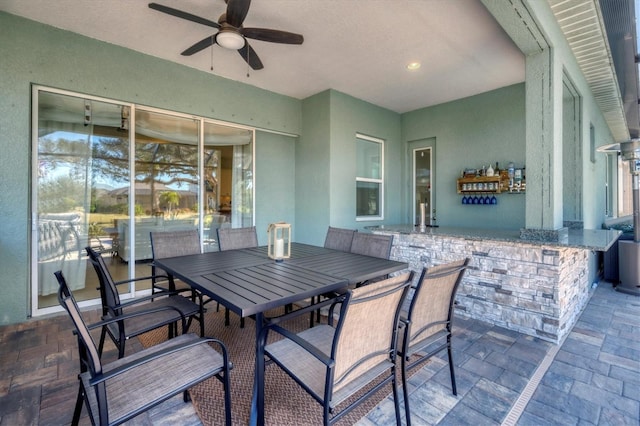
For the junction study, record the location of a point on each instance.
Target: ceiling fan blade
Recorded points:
(202, 44)
(250, 55)
(236, 11)
(183, 15)
(274, 36)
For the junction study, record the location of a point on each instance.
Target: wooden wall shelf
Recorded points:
(487, 184)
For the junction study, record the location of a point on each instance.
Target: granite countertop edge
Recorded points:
(589, 239)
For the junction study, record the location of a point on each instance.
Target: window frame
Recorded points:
(379, 181)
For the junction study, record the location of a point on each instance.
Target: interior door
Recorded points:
(421, 157)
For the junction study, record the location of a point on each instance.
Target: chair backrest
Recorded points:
(366, 331)
(108, 290)
(89, 356)
(431, 308)
(372, 245)
(339, 238)
(237, 238)
(214, 222)
(174, 243)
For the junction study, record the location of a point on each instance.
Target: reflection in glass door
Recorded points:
(166, 186)
(82, 152)
(228, 180)
(186, 173)
(422, 168)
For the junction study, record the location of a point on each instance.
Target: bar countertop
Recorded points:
(589, 239)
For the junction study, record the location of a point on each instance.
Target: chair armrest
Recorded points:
(314, 351)
(148, 277)
(311, 307)
(417, 334)
(137, 314)
(99, 378)
(158, 295)
(334, 303)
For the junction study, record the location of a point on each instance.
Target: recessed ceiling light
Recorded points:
(413, 66)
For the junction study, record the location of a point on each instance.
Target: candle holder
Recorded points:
(279, 241)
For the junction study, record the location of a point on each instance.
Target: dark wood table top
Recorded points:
(248, 282)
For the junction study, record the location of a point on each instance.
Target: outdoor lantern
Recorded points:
(279, 241)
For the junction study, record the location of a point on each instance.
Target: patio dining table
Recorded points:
(248, 282)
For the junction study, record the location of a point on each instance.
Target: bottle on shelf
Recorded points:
(490, 171)
(497, 169)
(511, 173)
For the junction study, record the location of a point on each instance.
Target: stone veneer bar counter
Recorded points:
(534, 287)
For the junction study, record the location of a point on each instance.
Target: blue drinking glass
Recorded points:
(494, 200)
(464, 200)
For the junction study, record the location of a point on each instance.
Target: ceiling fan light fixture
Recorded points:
(412, 66)
(230, 40)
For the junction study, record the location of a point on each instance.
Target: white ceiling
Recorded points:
(354, 46)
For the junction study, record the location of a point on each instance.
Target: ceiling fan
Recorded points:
(231, 34)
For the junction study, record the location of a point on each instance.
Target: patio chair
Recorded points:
(167, 309)
(334, 363)
(336, 239)
(368, 245)
(426, 323)
(173, 244)
(235, 239)
(119, 391)
(372, 245)
(339, 239)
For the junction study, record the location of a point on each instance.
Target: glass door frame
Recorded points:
(414, 202)
(33, 254)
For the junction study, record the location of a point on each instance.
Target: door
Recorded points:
(107, 173)
(422, 184)
(81, 149)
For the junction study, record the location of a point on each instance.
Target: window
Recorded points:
(369, 178)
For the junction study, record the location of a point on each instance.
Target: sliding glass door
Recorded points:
(228, 180)
(107, 173)
(82, 152)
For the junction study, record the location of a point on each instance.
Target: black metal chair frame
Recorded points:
(424, 339)
(158, 280)
(336, 239)
(95, 376)
(389, 287)
(176, 308)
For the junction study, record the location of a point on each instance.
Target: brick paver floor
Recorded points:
(593, 378)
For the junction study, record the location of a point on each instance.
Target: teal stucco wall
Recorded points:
(471, 133)
(326, 163)
(33, 53)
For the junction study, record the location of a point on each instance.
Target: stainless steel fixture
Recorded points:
(629, 250)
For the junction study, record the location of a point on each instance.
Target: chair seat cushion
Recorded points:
(426, 343)
(143, 323)
(156, 380)
(309, 370)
